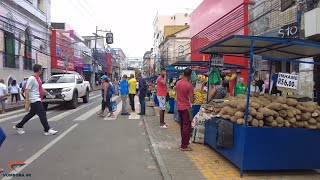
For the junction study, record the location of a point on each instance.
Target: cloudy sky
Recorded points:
(129, 20)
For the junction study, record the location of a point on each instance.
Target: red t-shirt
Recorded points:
(184, 89)
(161, 89)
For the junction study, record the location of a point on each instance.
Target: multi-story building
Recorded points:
(118, 63)
(147, 67)
(159, 24)
(176, 45)
(67, 48)
(24, 38)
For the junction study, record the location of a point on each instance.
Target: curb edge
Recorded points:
(163, 167)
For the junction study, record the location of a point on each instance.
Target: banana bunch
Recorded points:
(230, 77)
(172, 93)
(202, 78)
(200, 97)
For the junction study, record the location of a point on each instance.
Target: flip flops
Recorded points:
(186, 149)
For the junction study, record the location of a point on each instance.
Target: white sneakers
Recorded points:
(164, 126)
(21, 131)
(50, 132)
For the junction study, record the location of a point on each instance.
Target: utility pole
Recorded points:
(95, 50)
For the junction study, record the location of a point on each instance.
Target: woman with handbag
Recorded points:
(106, 95)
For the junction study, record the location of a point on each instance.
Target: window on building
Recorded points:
(40, 5)
(186, 24)
(27, 60)
(186, 15)
(9, 55)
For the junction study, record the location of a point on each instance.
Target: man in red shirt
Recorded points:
(161, 94)
(185, 97)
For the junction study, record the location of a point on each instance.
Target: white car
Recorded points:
(66, 88)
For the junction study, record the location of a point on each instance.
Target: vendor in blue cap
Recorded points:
(106, 97)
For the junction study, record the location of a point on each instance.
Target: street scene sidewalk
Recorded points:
(203, 162)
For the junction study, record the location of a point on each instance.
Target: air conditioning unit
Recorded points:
(312, 23)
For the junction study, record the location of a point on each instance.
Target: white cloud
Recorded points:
(129, 20)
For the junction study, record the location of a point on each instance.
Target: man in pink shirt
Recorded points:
(185, 97)
(161, 94)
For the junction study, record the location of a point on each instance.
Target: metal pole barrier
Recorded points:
(247, 106)
(270, 70)
(208, 85)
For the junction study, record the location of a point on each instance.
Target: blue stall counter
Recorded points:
(268, 148)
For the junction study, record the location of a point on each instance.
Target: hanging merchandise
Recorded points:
(214, 77)
(193, 76)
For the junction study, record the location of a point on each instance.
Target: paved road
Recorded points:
(86, 146)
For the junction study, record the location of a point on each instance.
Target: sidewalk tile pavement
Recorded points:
(203, 162)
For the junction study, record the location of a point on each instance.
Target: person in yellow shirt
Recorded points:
(132, 90)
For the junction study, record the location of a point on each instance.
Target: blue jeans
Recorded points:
(176, 113)
(142, 103)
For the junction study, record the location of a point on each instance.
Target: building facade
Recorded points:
(24, 38)
(159, 24)
(147, 67)
(175, 47)
(118, 63)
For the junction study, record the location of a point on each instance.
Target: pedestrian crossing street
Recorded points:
(55, 115)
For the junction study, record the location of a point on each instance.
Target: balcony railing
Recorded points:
(11, 61)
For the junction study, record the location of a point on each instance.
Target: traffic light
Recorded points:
(109, 38)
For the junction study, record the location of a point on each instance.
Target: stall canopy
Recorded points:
(204, 64)
(280, 48)
(251, 150)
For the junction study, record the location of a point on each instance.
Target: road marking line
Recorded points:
(116, 113)
(88, 114)
(95, 96)
(67, 113)
(13, 112)
(134, 115)
(35, 116)
(40, 152)
(12, 117)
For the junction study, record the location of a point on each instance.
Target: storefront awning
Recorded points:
(205, 64)
(284, 48)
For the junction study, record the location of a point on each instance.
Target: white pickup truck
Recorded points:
(66, 88)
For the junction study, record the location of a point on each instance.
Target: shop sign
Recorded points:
(87, 68)
(217, 60)
(289, 31)
(288, 81)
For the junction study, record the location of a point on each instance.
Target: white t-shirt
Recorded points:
(33, 87)
(14, 89)
(3, 88)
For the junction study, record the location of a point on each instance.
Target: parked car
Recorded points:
(66, 88)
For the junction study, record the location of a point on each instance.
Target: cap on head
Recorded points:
(104, 77)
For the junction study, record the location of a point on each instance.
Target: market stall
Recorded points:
(201, 68)
(264, 132)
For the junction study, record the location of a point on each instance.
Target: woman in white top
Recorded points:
(14, 90)
(254, 88)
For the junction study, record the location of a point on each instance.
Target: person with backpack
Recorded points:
(106, 91)
(143, 87)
